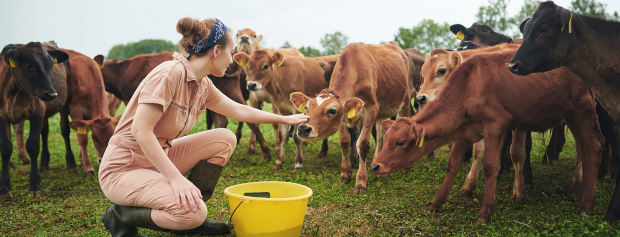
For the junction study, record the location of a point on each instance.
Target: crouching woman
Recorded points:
(143, 168)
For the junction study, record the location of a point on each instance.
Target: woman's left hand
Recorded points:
(295, 119)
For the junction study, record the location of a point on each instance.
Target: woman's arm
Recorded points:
(244, 113)
(147, 116)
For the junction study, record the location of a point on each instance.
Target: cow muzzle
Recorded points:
(49, 96)
(244, 39)
(304, 130)
(421, 99)
(254, 86)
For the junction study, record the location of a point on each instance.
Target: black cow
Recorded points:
(479, 34)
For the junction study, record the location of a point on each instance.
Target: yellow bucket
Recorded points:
(282, 214)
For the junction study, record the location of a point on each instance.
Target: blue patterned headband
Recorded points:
(206, 43)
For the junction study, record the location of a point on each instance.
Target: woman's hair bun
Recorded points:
(188, 26)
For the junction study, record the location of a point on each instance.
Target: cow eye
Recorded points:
(28, 65)
(544, 29)
(254, 36)
(237, 35)
(441, 72)
(265, 67)
(485, 29)
(400, 143)
(331, 111)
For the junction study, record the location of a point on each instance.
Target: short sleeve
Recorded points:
(159, 87)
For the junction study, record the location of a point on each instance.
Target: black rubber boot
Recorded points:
(205, 176)
(116, 227)
(207, 228)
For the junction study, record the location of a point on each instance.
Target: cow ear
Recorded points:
(456, 58)
(387, 124)
(299, 98)
(116, 119)
(259, 38)
(81, 126)
(353, 107)
(277, 59)
(99, 60)
(427, 57)
(523, 24)
(59, 55)
(458, 27)
(241, 59)
(323, 65)
(11, 57)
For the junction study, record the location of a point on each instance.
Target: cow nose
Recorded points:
(245, 38)
(511, 40)
(50, 96)
(375, 168)
(304, 130)
(421, 99)
(251, 86)
(514, 67)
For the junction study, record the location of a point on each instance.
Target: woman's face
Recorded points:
(224, 58)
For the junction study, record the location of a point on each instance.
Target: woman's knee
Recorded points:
(229, 137)
(190, 219)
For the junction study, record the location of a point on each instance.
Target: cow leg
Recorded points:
(65, 130)
(33, 146)
(455, 159)
(219, 121)
(239, 132)
(45, 152)
(430, 156)
(299, 158)
(527, 165)
(468, 154)
(87, 165)
(19, 139)
(490, 164)
(470, 182)
(588, 139)
(261, 140)
(345, 142)
(282, 132)
(209, 118)
(613, 210)
(363, 147)
(258, 105)
(354, 134)
(517, 153)
(556, 142)
(505, 161)
(6, 149)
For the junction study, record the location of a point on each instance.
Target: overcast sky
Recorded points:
(93, 27)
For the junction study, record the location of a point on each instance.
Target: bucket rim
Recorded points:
(227, 193)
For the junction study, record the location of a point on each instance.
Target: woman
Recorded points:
(143, 168)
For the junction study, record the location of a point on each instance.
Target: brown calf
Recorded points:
(482, 99)
(280, 76)
(32, 86)
(369, 83)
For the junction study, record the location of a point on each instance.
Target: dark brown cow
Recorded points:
(479, 34)
(123, 77)
(589, 46)
(369, 83)
(482, 99)
(113, 103)
(280, 76)
(33, 86)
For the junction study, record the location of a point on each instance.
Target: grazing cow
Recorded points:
(479, 34)
(589, 46)
(481, 99)
(280, 76)
(33, 86)
(369, 83)
(123, 77)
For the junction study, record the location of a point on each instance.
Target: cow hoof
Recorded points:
(465, 193)
(72, 170)
(359, 190)
(482, 219)
(305, 143)
(514, 200)
(276, 167)
(4, 197)
(35, 193)
(321, 155)
(429, 207)
(89, 174)
(345, 180)
(299, 166)
(24, 159)
(251, 151)
(43, 168)
(11, 165)
(267, 159)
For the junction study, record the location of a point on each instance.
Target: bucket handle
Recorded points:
(231, 215)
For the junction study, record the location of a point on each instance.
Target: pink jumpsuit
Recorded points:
(126, 175)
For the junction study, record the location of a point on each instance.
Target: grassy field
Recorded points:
(72, 205)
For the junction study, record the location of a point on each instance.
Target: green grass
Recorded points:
(72, 205)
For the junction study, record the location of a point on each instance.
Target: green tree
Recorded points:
(426, 36)
(147, 46)
(494, 15)
(592, 8)
(310, 52)
(527, 10)
(334, 43)
(286, 45)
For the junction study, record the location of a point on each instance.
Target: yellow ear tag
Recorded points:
(100, 66)
(351, 113)
(570, 24)
(278, 63)
(82, 130)
(422, 141)
(11, 61)
(413, 105)
(460, 35)
(243, 63)
(302, 108)
(55, 61)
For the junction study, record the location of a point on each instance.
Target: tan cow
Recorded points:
(369, 84)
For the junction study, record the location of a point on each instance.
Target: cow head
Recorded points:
(438, 65)
(31, 66)
(466, 45)
(247, 41)
(327, 113)
(480, 34)
(328, 69)
(102, 129)
(404, 143)
(547, 39)
(259, 67)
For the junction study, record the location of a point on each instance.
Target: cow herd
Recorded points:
(490, 94)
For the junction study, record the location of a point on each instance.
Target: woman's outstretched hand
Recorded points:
(295, 119)
(188, 196)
